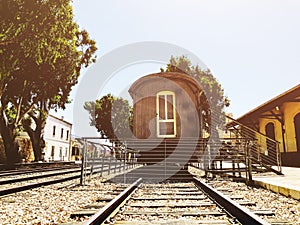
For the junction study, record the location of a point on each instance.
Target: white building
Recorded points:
(57, 135)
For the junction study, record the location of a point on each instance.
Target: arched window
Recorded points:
(270, 130)
(297, 130)
(166, 114)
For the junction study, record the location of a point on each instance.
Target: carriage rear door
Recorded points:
(166, 114)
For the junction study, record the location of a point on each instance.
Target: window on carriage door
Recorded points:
(166, 114)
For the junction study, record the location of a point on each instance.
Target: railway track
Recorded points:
(173, 203)
(16, 182)
(27, 183)
(250, 197)
(147, 203)
(7, 173)
(39, 175)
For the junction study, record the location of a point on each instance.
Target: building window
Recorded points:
(52, 151)
(166, 114)
(75, 151)
(62, 133)
(60, 152)
(297, 130)
(67, 136)
(53, 133)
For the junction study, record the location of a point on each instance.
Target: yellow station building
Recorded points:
(279, 119)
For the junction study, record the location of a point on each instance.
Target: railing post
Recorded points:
(124, 160)
(246, 160)
(165, 159)
(278, 157)
(233, 166)
(82, 167)
(83, 159)
(102, 164)
(135, 160)
(93, 160)
(109, 163)
(116, 164)
(249, 161)
(120, 164)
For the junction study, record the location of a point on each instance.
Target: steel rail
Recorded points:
(242, 214)
(235, 210)
(104, 213)
(4, 173)
(57, 173)
(40, 184)
(36, 185)
(11, 181)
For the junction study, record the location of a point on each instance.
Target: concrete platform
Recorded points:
(287, 184)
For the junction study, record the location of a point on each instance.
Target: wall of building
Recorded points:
(57, 135)
(290, 110)
(277, 129)
(288, 146)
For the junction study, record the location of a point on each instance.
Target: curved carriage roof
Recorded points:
(174, 76)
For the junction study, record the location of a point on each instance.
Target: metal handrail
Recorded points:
(250, 129)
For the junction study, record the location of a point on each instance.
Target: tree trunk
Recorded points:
(37, 142)
(36, 138)
(9, 134)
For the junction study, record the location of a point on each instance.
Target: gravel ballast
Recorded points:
(54, 204)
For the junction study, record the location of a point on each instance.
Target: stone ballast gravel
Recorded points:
(53, 204)
(285, 209)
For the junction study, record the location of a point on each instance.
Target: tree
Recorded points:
(112, 117)
(214, 93)
(42, 51)
(56, 94)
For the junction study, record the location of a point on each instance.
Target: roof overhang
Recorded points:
(292, 95)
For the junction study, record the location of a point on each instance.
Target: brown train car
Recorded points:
(167, 115)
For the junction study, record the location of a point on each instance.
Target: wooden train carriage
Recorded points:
(167, 106)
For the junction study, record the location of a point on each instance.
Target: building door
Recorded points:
(166, 114)
(271, 145)
(297, 130)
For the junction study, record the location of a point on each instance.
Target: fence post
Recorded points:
(134, 160)
(109, 164)
(102, 160)
(83, 159)
(116, 164)
(124, 160)
(93, 159)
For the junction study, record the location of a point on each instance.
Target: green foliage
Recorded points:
(49, 49)
(213, 91)
(42, 51)
(111, 116)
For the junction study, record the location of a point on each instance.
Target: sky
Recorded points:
(252, 47)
